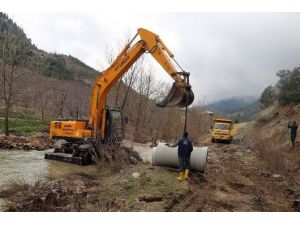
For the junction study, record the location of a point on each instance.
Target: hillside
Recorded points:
(43, 80)
(269, 137)
(50, 64)
(230, 104)
(241, 109)
(246, 113)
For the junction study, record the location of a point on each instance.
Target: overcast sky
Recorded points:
(227, 54)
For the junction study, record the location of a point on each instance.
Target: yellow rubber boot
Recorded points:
(186, 174)
(181, 176)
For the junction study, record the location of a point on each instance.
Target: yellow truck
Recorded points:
(222, 130)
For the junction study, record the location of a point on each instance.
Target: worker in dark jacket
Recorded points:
(185, 148)
(293, 126)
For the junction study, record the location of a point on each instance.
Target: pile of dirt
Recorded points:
(39, 141)
(57, 195)
(116, 158)
(119, 152)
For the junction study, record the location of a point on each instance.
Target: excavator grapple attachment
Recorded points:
(177, 97)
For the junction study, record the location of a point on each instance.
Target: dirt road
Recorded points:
(235, 180)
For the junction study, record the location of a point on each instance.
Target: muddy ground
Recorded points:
(234, 180)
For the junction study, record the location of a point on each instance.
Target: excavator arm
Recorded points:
(180, 94)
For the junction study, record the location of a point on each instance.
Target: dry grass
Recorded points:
(43, 197)
(271, 151)
(262, 120)
(18, 186)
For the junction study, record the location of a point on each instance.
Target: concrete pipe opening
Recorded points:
(163, 155)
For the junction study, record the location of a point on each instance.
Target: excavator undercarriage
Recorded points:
(85, 150)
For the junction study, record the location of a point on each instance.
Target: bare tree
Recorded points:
(147, 115)
(127, 81)
(14, 52)
(129, 78)
(44, 93)
(63, 98)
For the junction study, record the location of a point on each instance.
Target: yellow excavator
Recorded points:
(83, 138)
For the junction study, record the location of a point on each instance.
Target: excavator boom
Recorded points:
(180, 95)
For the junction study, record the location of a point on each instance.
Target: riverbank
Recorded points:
(37, 141)
(138, 187)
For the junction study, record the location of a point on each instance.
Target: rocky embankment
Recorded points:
(39, 141)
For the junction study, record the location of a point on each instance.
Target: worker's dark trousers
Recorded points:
(293, 138)
(184, 163)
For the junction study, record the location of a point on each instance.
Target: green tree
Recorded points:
(267, 98)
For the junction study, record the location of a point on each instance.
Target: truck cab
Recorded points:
(222, 130)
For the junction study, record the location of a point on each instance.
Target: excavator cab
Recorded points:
(114, 126)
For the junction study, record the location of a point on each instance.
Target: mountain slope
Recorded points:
(47, 64)
(246, 113)
(230, 104)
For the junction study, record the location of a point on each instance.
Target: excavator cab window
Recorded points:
(114, 125)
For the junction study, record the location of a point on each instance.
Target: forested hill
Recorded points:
(241, 109)
(48, 64)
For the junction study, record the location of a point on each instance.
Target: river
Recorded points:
(30, 166)
(22, 166)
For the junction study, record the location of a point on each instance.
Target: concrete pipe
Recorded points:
(163, 155)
